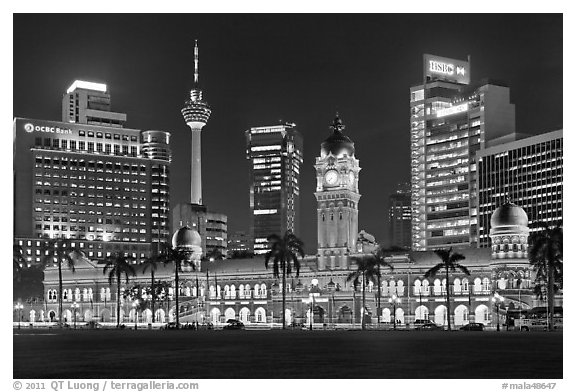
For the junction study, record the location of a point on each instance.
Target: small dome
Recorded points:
(509, 214)
(185, 237)
(337, 143)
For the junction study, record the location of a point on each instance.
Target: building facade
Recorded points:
(451, 119)
(276, 155)
(244, 289)
(337, 195)
(240, 243)
(529, 172)
(105, 188)
(90, 103)
(400, 217)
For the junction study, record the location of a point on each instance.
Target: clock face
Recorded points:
(331, 177)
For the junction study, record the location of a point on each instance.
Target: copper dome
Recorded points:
(509, 214)
(337, 143)
(185, 237)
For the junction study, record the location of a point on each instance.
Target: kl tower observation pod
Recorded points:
(196, 113)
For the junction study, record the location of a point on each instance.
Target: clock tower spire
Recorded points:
(337, 196)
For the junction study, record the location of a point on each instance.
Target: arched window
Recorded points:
(457, 286)
(260, 314)
(399, 316)
(482, 314)
(340, 215)
(417, 287)
(400, 288)
(256, 290)
(440, 316)
(486, 285)
(90, 294)
(421, 313)
(263, 290)
(226, 292)
(425, 287)
(465, 285)
(108, 294)
(370, 286)
(64, 295)
(386, 315)
(437, 287)
(323, 217)
(233, 292)
(384, 287)
(245, 315)
(77, 294)
(241, 291)
(247, 291)
(102, 294)
(331, 216)
(460, 315)
(477, 286)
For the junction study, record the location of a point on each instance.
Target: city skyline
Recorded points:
(254, 74)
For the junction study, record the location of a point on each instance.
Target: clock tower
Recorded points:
(337, 196)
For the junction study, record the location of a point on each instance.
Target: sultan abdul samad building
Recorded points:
(243, 289)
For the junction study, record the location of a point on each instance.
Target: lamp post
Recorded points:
(75, 307)
(135, 306)
(19, 308)
(331, 287)
(394, 300)
(495, 299)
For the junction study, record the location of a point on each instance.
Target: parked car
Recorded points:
(428, 326)
(93, 325)
(170, 325)
(472, 327)
(234, 324)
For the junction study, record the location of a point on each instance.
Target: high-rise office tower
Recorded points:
(196, 113)
(276, 155)
(106, 188)
(450, 120)
(400, 215)
(337, 195)
(211, 226)
(90, 103)
(527, 172)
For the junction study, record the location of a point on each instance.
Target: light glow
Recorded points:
(265, 212)
(86, 85)
(452, 110)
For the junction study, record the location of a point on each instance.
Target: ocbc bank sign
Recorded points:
(29, 127)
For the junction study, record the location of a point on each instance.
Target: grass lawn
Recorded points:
(285, 354)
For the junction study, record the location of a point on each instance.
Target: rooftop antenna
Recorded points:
(195, 62)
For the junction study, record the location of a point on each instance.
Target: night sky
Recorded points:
(256, 70)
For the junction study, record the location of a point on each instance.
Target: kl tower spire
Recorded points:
(196, 113)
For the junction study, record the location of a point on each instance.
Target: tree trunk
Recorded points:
(60, 291)
(550, 295)
(379, 294)
(177, 308)
(363, 300)
(283, 295)
(118, 300)
(448, 298)
(153, 297)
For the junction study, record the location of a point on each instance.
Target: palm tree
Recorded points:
(284, 252)
(546, 255)
(151, 263)
(179, 257)
(60, 250)
(118, 264)
(450, 264)
(379, 259)
(366, 271)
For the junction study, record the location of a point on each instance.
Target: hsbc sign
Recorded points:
(447, 69)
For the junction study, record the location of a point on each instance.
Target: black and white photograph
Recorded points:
(338, 201)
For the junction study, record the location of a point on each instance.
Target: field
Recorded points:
(285, 354)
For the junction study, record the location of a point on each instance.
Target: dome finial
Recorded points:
(337, 124)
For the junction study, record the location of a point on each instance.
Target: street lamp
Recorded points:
(135, 306)
(394, 300)
(331, 286)
(19, 308)
(495, 299)
(75, 307)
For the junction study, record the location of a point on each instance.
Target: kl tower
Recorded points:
(212, 226)
(196, 113)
